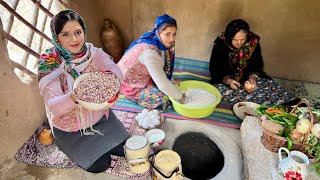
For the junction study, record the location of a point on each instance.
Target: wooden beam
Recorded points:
(18, 43)
(12, 11)
(23, 69)
(45, 10)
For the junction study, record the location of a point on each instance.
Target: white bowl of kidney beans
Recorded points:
(97, 90)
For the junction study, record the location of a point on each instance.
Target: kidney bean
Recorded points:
(97, 87)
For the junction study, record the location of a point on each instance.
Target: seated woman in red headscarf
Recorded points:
(147, 67)
(236, 68)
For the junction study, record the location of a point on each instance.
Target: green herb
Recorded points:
(289, 121)
(290, 142)
(313, 148)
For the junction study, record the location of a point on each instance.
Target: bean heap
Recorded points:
(97, 87)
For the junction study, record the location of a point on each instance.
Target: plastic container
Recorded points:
(136, 151)
(196, 112)
(166, 165)
(155, 137)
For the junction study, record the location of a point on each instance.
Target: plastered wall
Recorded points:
(289, 29)
(21, 108)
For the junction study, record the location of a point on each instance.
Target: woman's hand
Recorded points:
(73, 98)
(233, 83)
(176, 81)
(253, 78)
(182, 99)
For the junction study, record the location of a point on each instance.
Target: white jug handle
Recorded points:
(279, 152)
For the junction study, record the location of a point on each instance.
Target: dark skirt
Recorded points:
(86, 149)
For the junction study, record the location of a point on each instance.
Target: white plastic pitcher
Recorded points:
(295, 164)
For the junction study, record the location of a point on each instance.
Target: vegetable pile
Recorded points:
(293, 126)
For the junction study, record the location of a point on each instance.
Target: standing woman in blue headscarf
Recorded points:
(147, 66)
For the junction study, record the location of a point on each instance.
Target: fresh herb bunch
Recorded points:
(313, 148)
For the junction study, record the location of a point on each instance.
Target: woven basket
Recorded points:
(273, 141)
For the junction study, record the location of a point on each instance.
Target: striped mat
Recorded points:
(222, 116)
(189, 69)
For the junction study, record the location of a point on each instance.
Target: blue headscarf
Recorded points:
(152, 37)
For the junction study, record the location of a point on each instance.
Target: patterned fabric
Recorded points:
(239, 56)
(33, 152)
(136, 75)
(153, 37)
(268, 93)
(152, 98)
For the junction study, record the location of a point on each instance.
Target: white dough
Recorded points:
(198, 97)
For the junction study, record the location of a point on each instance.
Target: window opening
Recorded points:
(26, 28)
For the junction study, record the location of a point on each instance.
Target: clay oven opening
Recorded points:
(201, 158)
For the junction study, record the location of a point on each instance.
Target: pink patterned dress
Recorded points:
(137, 84)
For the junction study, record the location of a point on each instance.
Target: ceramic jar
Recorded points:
(112, 40)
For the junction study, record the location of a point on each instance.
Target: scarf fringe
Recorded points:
(81, 121)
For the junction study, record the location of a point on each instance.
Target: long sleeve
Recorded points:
(58, 102)
(219, 65)
(104, 62)
(154, 63)
(255, 64)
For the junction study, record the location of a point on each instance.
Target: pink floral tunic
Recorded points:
(135, 74)
(63, 111)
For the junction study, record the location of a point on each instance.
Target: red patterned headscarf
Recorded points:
(239, 56)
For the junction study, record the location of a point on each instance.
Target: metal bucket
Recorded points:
(137, 150)
(167, 165)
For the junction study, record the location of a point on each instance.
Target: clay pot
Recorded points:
(112, 40)
(46, 137)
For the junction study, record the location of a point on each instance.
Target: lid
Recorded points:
(167, 160)
(136, 142)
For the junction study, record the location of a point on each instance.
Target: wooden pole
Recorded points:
(23, 69)
(18, 43)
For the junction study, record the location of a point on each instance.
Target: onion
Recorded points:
(306, 115)
(249, 87)
(316, 130)
(295, 135)
(303, 125)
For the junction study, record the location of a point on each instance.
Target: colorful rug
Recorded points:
(222, 116)
(33, 152)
